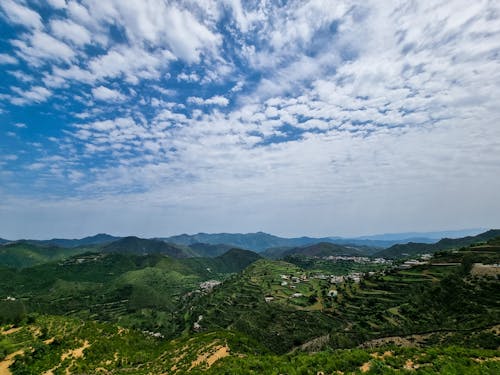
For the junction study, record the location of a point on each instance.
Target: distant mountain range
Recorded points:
(253, 241)
(412, 249)
(423, 236)
(98, 239)
(261, 241)
(212, 245)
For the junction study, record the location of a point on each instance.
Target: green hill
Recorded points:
(140, 246)
(209, 250)
(140, 291)
(239, 313)
(23, 254)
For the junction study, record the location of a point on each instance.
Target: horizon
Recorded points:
(303, 117)
(453, 233)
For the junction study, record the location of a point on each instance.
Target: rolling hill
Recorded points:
(24, 254)
(239, 313)
(140, 246)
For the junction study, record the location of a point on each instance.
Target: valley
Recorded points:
(146, 306)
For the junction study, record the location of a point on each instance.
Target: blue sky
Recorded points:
(292, 117)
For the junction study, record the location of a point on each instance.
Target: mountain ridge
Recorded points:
(412, 249)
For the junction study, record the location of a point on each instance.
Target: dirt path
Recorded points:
(7, 361)
(11, 331)
(74, 354)
(211, 357)
(366, 367)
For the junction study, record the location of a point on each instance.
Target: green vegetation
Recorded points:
(389, 360)
(238, 314)
(144, 292)
(321, 249)
(23, 254)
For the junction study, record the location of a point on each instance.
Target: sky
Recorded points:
(317, 118)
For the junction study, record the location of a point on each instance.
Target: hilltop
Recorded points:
(140, 246)
(25, 254)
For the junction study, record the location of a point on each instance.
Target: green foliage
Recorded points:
(136, 314)
(23, 254)
(12, 312)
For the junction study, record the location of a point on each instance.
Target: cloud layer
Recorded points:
(310, 117)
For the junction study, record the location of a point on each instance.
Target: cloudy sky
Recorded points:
(159, 117)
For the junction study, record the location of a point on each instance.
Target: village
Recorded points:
(310, 289)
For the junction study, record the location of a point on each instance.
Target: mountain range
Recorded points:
(261, 241)
(412, 249)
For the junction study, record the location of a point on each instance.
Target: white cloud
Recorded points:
(362, 110)
(20, 125)
(145, 21)
(70, 31)
(20, 14)
(41, 46)
(21, 76)
(214, 100)
(191, 77)
(133, 63)
(58, 4)
(36, 94)
(7, 59)
(106, 94)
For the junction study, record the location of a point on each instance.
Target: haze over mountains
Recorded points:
(27, 253)
(261, 241)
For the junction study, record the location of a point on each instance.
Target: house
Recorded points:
(336, 279)
(284, 283)
(268, 298)
(297, 295)
(207, 286)
(332, 293)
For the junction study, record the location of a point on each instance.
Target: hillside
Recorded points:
(139, 291)
(412, 249)
(321, 249)
(239, 313)
(67, 345)
(140, 246)
(232, 261)
(448, 298)
(23, 254)
(208, 250)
